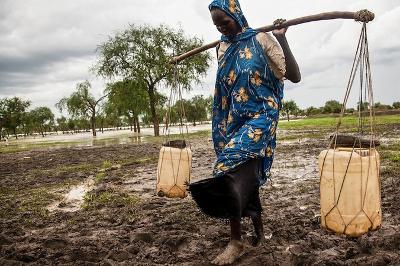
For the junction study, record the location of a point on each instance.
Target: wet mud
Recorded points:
(97, 206)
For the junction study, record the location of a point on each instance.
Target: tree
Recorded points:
(81, 104)
(143, 54)
(332, 107)
(183, 109)
(14, 111)
(111, 115)
(2, 116)
(312, 111)
(396, 105)
(195, 108)
(380, 106)
(209, 102)
(62, 124)
(289, 107)
(72, 125)
(129, 98)
(362, 106)
(42, 118)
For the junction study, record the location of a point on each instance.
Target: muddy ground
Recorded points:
(121, 221)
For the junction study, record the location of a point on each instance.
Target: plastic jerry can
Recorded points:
(350, 190)
(173, 172)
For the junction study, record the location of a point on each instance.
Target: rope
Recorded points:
(360, 62)
(175, 96)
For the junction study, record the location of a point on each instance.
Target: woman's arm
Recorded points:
(292, 69)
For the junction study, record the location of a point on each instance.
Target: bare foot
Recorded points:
(257, 240)
(232, 251)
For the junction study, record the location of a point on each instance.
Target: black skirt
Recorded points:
(233, 195)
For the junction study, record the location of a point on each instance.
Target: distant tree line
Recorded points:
(126, 105)
(113, 110)
(290, 108)
(15, 118)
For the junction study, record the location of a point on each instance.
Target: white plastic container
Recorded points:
(173, 172)
(350, 190)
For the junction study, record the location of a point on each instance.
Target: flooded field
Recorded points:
(108, 137)
(96, 205)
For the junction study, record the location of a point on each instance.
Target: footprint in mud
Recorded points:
(119, 255)
(153, 205)
(55, 243)
(176, 242)
(142, 237)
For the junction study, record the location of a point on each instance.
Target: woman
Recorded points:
(248, 94)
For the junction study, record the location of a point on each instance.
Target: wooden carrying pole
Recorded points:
(362, 15)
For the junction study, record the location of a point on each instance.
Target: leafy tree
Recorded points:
(174, 115)
(362, 106)
(82, 124)
(14, 111)
(380, 106)
(129, 98)
(72, 125)
(332, 107)
(42, 118)
(143, 54)
(82, 104)
(194, 110)
(184, 110)
(111, 115)
(200, 105)
(312, 111)
(396, 105)
(62, 124)
(161, 109)
(289, 107)
(209, 102)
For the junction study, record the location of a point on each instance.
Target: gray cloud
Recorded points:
(47, 46)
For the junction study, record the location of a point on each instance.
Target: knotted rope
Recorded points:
(364, 16)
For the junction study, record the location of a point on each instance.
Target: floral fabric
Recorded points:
(246, 102)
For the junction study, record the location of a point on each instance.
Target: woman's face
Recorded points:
(224, 23)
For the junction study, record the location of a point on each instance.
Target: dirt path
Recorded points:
(122, 222)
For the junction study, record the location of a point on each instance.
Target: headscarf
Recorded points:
(232, 8)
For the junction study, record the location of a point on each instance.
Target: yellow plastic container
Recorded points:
(350, 190)
(173, 172)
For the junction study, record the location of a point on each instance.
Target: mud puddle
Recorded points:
(72, 200)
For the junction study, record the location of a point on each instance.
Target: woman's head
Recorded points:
(228, 17)
(225, 24)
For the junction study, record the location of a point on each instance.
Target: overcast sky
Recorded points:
(48, 46)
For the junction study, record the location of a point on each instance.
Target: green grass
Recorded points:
(390, 159)
(17, 146)
(106, 164)
(396, 158)
(314, 135)
(348, 122)
(28, 204)
(60, 169)
(143, 160)
(110, 199)
(99, 177)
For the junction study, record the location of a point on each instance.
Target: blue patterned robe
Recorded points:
(246, 102)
